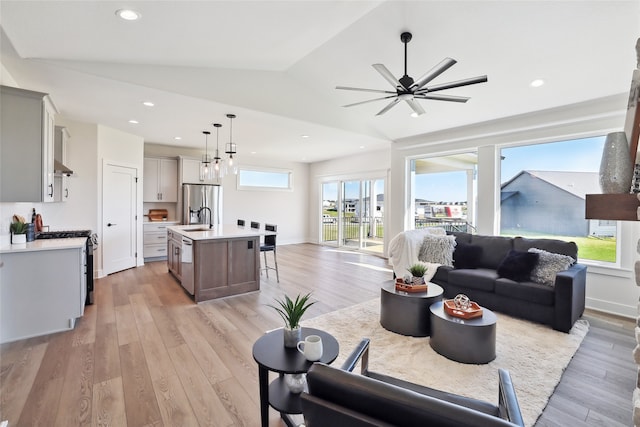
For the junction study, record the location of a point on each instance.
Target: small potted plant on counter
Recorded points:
(18, 229)
(291, 312)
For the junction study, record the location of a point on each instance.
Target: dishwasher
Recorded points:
(187, 265)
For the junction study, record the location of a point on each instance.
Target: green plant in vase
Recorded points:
(18, 229)
(291, 312)
(417, 271)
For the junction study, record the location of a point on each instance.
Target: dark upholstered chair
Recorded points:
(269, 245)
(338, 397)
(241, 223)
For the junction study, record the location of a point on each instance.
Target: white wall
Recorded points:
(609, 289)
(125, 149)
(289, 210)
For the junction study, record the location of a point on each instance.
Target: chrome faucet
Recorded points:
(210, 215)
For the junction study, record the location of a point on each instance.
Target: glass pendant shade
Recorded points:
(231, 149)
(206, 170)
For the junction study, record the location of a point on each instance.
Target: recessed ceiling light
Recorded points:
(414, 114)
(128, 14)
(536, 83)
(148, 104)
(362, 146)
(133, 122)
(304, 136)
(253, 152)
(177, 138)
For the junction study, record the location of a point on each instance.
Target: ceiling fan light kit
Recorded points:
(409, 90)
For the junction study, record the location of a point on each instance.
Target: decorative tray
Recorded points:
(408, 287)
(470, 313)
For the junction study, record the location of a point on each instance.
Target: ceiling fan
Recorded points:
(408, 90)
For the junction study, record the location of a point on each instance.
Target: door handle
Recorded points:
(109, 224)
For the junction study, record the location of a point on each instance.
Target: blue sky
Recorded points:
(580, 155)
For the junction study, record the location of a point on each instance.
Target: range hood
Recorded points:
(60, 169)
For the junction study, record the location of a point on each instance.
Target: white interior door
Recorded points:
(119, 218)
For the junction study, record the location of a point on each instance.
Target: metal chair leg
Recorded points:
(275, 260)
(266, 265)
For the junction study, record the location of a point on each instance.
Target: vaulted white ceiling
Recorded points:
(275, 64)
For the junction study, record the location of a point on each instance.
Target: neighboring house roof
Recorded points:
(577, 183)
(504, 195)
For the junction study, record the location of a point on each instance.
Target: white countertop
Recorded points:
(44, 245)
(226, 231)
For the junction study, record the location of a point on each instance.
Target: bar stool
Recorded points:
(270, 246)
(241, 223)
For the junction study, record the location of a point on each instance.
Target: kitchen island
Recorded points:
(214, 262)
(42, 287)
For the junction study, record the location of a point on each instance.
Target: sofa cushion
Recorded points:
(466, 256)
(518, 265)
(549, 264)
(494, 249)
(461, 236)
(481, 279)
(526, 291)
(437, 249)
(550, 245)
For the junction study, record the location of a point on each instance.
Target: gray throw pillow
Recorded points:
(549, 264)
(437, 249)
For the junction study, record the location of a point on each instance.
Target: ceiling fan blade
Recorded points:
(442, 97)
(364, 90)
(450, 85)
(443, 66)
(415, 106)
(387, 75)
(369, 100)
(388, 107)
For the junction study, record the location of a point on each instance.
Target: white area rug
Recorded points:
(534, 354)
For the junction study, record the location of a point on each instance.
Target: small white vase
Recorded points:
(292, 337)
(18, 239)
(616, 168)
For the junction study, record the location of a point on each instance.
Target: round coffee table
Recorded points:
(271, 355)
(407, 313)
(465, 341)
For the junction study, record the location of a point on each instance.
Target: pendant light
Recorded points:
(231, 148)
(206, 169)
(218, 164)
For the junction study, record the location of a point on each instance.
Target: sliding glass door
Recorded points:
(352, 214)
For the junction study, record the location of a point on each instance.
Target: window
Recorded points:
(542, 194)
(443, 191)
(265, 179)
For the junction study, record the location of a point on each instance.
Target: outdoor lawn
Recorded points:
(593, 248)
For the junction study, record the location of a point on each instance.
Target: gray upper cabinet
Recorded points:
(160, 183)
(26, 146)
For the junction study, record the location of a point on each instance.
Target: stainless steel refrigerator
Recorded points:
(201, 204)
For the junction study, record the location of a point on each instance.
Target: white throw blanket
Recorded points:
(405, 247)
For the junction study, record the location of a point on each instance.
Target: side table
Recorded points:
(407, 313)
(271, 355)
(463, 340)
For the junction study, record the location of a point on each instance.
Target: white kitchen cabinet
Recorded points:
(190, 172)
(42, 292)
(60, 181)
(160, 180)
(26, 146)
(155, 240)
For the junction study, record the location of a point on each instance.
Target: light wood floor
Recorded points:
(145, 355)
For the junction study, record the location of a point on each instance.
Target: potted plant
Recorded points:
(417, 271)
(291, 312)
(18, 229)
